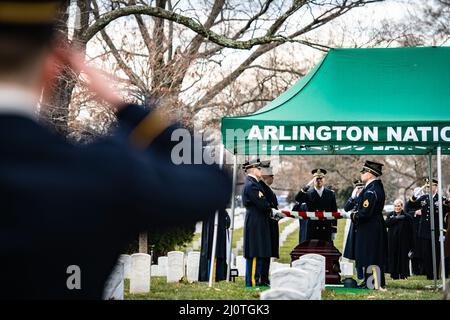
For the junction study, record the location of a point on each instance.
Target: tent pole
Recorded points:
(216, 224)
(441, 215)
(430, 193)
(233, 207)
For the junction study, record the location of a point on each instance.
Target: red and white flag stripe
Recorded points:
(307, 215)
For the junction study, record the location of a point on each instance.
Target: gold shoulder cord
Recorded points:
(148, 129)
(14, 12)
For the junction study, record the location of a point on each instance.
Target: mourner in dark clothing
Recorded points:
(266, 182)
(319, 199)
(352, 204)
(371, 235)
(415, 254)
(69, 211)
(220, 263)
(257, 241)
(422, 202)
(400, 239)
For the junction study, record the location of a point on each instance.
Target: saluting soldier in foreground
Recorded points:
(371, 235)
(319, 198)
(422, 202)
(257, 241)
(69, 210)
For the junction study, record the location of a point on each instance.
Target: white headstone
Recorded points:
(114, 286)
(126, 260)
(140, 273)
(241, 265)
(322, 261)
(294, 279)
(154, 271)
(162, 264)
(283, 294)
(193, 264)
(175, 266)
(314, 267)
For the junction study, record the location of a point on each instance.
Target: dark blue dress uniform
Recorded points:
(371, 235)
(257, 242)
(220, 262)
(424, 231)
(65, 204)
(274, 228)
(319, 229)
(349, 251)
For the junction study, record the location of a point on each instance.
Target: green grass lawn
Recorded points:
(411, 289)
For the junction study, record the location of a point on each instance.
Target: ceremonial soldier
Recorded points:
(422, 202)
(319, 199)
(371, 235)
(257, 241)
(352, 204)
(69, 211)
(220, 262)
(266, 182)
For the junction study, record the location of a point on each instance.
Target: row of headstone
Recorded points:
(305, 280)
(292, 227)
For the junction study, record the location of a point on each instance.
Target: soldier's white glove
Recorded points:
(419, 192)
(309, 184)
(333, 236)
(346, 215)
(276, 214)
(356, 192)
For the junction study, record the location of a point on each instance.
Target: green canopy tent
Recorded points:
(356, 101)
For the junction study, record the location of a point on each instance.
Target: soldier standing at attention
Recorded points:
(319, 199)
(266, 182)
(371, 235)
(422, 203)
(257, 242)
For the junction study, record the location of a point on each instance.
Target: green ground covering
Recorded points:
(413, 288)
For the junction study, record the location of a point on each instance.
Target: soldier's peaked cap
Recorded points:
(29, 13)
(427, 182)
(319, 172)
(373, 167)
(255, 163)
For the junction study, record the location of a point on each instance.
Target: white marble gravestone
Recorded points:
(294, 279)
(314, 267)
(240, 265)
(126, 260)
(140, 273)
(322, 261)
(154, 270)
(192, 267)
(175, 266)
(282, 294)
(114, 286)
(162, 266)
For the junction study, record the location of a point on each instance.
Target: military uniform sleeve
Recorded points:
(350, 204)
(366, 206)
(301, 196)
(414, 203)
(259, 199)
(158, 191)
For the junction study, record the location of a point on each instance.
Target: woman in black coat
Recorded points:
(400, 241)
